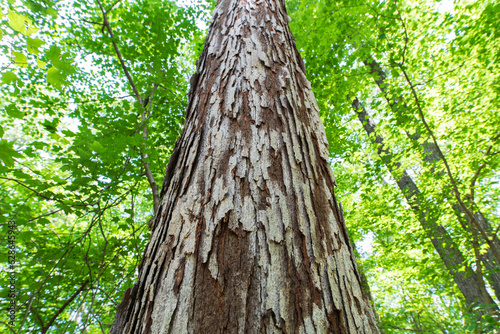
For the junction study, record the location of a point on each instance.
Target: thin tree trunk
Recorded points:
(432, 155)
(249, 237)
(466, 279)
(365, 287)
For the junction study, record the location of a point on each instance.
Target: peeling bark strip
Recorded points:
(249, 237)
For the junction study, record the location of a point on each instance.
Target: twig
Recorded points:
(6, 67)
(496, 231)
(44, 215)
(405, 31)
(476, 175)
(40, 194)
(6, 324)
(99, 321)
(440, 75)
(145, 156)
(57, 235)
(118, 53)
(107, 295)
(406, 329)
(61, 310)
(448, 170)
(91, 22)
(173, 93)
(112, 6)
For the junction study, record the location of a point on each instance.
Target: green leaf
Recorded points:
(20, 59)
(34, 44)
(97, 147)
(18, 22)
(7, 153)
(43, 221)
(55, 77)
(8, 77)
(50, 126)
(31, 30)
(13, 111)
(40, 64)
(53, 53)
(52, 12)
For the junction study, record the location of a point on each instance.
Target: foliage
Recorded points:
(92, 100)
(73, 149)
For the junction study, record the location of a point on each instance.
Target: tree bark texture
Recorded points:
(464, 276)
(249, 237)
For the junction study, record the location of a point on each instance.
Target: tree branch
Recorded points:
(112, 6)
(405, 31)
(144, 104)
(118, 53)
(40, 194)
(456, 192)
(6, 67)
(9, 327)
(44, 215)
(145, 156)
(479, 270)
(107, 295)
(478, 172)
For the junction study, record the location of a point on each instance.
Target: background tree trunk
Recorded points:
(470, 285)
(431, 154)
(249, 237)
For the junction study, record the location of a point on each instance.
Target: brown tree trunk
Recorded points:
(249, 237)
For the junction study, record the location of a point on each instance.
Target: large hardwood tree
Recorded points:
(249, 236)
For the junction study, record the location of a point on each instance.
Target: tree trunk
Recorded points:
(464, 276)
(249, 237)
(430, 150)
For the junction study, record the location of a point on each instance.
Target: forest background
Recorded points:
(92, 99)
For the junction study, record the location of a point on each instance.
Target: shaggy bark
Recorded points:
(249, 237)
(464, 276)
